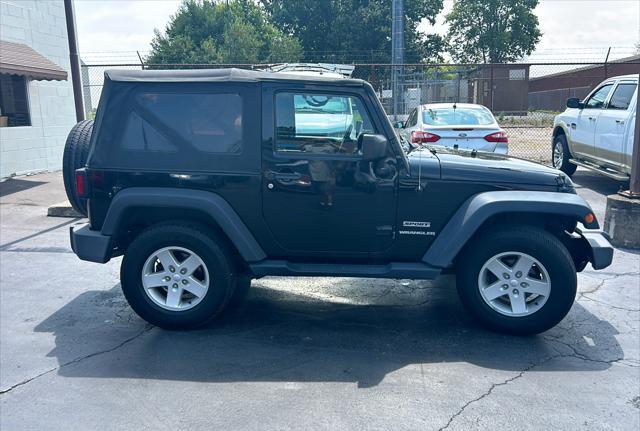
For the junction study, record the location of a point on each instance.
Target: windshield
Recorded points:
(460, 116)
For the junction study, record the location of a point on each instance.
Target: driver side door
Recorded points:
(584, 126)
(320, 197)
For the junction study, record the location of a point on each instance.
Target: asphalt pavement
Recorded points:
(301, 353)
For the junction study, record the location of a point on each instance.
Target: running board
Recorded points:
(604, 171)
(415, 271)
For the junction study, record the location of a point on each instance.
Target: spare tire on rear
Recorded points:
(76, 150)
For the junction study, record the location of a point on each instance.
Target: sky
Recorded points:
(573, 30)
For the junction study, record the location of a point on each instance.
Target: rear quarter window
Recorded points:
(210, 123)
(179, 127)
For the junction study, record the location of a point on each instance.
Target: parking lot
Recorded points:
(302, 353)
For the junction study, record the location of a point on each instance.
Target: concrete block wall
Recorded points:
(41, 25)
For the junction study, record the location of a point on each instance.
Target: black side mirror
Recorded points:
(574, 102)
(374, 147)
(398, 125)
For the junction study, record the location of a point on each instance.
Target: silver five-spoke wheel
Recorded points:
(175, 278)
(558, 155)
(514, 284)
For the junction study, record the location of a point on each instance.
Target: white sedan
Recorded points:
(455, 125)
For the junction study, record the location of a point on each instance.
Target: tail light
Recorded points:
(420, 137)
(500, 136)
(82, 185)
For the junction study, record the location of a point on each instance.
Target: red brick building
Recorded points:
(550, 92)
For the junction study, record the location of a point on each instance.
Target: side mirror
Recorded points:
(374, 147)
(574, 102)
(398, 125)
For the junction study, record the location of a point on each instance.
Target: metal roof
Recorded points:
(219, 75)
(20, 59)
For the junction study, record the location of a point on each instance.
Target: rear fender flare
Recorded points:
(479, 208)
(211, 203)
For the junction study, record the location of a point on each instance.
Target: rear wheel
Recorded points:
(178, 276)
(519, 280)
(560, 155)
(76, 150)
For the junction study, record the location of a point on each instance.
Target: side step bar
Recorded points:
(604, 171)
(415, 271)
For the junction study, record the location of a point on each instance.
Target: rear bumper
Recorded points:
(89, 244)
(601, 251)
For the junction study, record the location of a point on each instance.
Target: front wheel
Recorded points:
(519, 280)
(560, 155)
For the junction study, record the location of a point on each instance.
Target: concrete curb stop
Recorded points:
(63, 209)
(622, 221)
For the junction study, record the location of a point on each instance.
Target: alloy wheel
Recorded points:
(514, 284)
(175, 278)
(558, 155)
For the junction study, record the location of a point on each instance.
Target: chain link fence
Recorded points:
(524, 97)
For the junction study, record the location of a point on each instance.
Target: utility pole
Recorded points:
(634, 184)
(634, 181)
(397, 55)
(623, 208)
(74, 59)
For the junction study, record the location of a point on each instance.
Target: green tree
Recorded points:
(355, 30)
(206, 31)
(492, 31)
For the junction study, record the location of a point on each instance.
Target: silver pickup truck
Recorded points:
(597, 132)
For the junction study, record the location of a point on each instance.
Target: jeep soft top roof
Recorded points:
(219, 75)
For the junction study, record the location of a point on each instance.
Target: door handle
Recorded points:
(592, 118)
(620, 121)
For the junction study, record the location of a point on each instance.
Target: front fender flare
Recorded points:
(478, 208)
(210, 203)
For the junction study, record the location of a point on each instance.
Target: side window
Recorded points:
(596, 101)
(621, 97)
(319, 123)
(208, 123)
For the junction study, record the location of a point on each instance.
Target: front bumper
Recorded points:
(601, 251)
(90, 244)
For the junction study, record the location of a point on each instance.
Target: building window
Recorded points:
(14, 101)
(517, 74)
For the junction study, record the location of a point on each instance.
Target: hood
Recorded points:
(464, 165)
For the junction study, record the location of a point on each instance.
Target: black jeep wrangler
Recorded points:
(206, 179)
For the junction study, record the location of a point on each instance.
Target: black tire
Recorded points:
(565, 166)
(76, 150)
(213, 252)
(535, 242)
(240, 291)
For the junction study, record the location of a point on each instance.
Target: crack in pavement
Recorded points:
(522, 373)
(588, 298)
(602, 282)
(77, 360)
(488, 392)
(611, 275)
(595, 289)
(630, 362)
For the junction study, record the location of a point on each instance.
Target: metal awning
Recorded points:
(20, 59)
